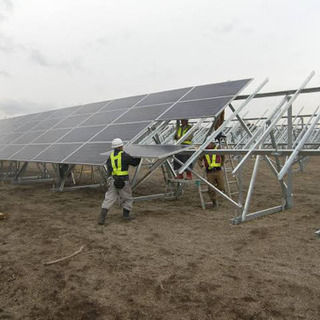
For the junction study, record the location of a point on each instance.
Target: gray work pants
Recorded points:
(113, 194)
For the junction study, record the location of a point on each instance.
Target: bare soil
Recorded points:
(175, 261)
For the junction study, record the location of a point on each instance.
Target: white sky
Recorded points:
(59, 53)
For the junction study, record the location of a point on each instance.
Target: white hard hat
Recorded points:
(117, 142)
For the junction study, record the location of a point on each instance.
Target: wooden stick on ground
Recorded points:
(64, 258)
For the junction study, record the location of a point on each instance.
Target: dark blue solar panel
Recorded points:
(28, 137)
(90, 154)
(102, 118)
(123, 131)
(29, 152)
(81, 134)
(196, 109)
(57, 152)
(124, 103)
(52, 136)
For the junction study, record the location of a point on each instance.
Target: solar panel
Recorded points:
(64, 112)
(27, 126)
(90, 153)
(195, 109)
(91, 107)
(79, 134)
(143, 114)
(43, 115)
(47, 124)
(10, 137)
(28, 137)
(124, 131)
(10, 150)
(51, 136)
(29, 151)
(57, 152)
(124, 103)
(71, 121)
(163, 97)
(102, 118)
(205, 101)
(228, 88)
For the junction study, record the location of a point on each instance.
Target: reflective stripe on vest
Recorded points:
(117, 168)
(212, 163)
(181, 133)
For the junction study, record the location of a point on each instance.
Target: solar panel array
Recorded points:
(78, 135)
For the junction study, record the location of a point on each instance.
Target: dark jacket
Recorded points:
(126, 161)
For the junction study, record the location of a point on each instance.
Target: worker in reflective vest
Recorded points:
(213, 164)
(182, 130)
(119, 185)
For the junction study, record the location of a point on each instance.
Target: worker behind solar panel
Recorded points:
(219, 121)
(213, 164)
(119, 188)
(182, 129)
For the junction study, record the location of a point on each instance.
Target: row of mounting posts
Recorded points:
(272, 124)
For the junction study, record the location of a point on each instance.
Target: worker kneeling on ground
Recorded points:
(213, 164)
(118, 165)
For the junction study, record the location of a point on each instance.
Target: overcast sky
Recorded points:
(59, 53)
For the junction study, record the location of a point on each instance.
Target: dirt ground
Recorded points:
(175, 261)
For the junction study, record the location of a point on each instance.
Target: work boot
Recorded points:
(215, 204)
(179, 176)
(126, 215)
(102, 217)
(189, 175)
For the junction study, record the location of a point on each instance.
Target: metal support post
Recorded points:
(21, 171)
(251, 188)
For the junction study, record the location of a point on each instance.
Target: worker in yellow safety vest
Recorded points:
(119, 188)
(182, 130)
(213, 164)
